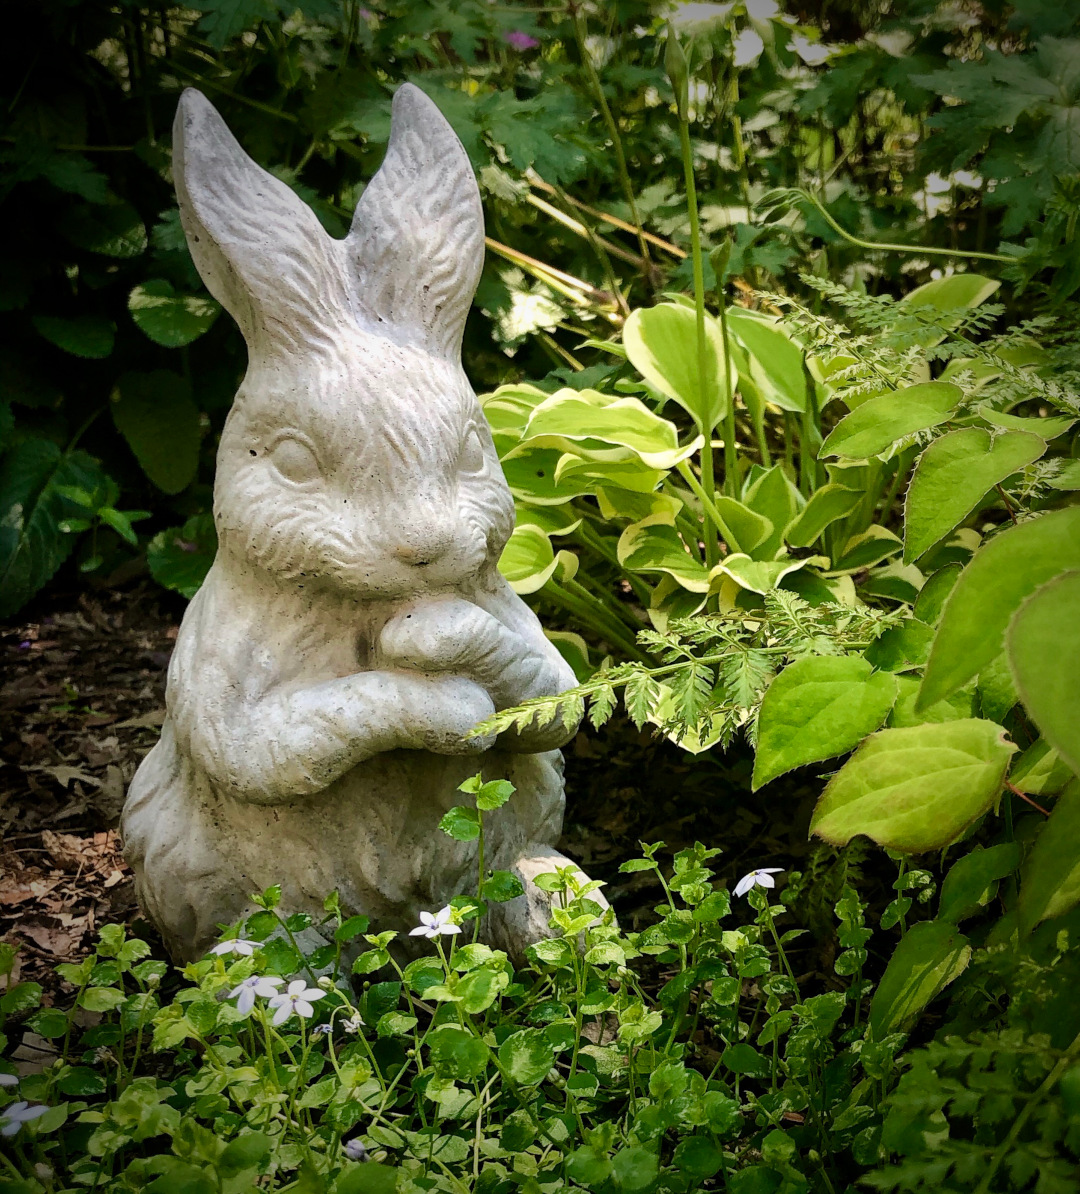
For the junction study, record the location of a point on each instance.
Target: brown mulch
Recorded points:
(82, 694)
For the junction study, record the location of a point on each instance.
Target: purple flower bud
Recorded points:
(519, 40)
(355, 1151)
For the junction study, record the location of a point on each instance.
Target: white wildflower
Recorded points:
(12, 1118)
(256, 985)
(296, 1000)
(434, 926)
(235, 945)
(762, 877)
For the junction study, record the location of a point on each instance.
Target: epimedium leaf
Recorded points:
(1043, 648)
(1050, 882)
(991, 588)
(155, 414)
(953, 475)
(878, 423)
(917, 788)
(971, 881)
(1040, 772)
(929, 957)
(931, 599)
(168, 316)
(958, 706)
(661, 343)
(817, 708)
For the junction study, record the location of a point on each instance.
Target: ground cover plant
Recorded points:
(782, 364)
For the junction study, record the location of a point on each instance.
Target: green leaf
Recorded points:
(878, 423)
(773, 497)
(180, 557)
(155, 414)
(528, 561)
(826, 505)
(956, 292)
(1050, 883)
(972, 880)
(101, 999)
(698, 1156)
(461, 823)
(367, 1177)
(249, 1151)
(1046, 428)
(527, 1056)
(458, 1054)
(865, 550)
(1043, 646)
(744, 1059)
(87, 336)
(33, 476)
(113, 230)
(573, 419)
(20, 998)
(501, 886)
(661, 343)
(1040, 772)
(634, 1168)
(931, 599)
(654, 545)
(952, 477)
(587, 1167)
(999, 577)
(775, 362)
(80, 1081)
(929, 957)
(746, 530)
(915, 789)
(817, 708)
(170, 318)
(494, 794)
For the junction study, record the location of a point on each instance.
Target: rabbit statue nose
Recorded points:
(424, 550)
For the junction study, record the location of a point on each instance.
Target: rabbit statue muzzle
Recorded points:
(354, 626)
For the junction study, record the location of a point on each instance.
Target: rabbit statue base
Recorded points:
(354, 626)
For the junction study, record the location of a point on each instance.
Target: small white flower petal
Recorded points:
(313, 993)
(9, 1080)
(744, 884)
(443, 915)
(765, 880)
(303, 1008)
(449, 930)
(419, 931)
(33, 1113)
(771, 870)
(246, 1001)
(11, 1126)
(283, 1013)
(426, 918)
(296, 986)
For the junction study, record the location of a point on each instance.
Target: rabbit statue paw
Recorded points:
(354, 626)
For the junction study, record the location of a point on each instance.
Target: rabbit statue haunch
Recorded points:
(354, 625)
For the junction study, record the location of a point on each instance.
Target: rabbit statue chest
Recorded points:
(354, 626)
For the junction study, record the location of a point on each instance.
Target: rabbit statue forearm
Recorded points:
(354, 627)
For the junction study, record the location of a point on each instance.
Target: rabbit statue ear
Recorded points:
(259, 248)
(416, 245)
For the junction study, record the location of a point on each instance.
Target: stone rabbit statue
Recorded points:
(354, 625)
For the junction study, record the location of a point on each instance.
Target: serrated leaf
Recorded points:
(1050, 884)
(878, 423)
(929, 957)
(915, 789)
(953, 475)
(1043, 648)
(155, 414)
(171, 318)
(991, 588)
(973, 878)
(33, 475)
(817, 708)
(113, 230)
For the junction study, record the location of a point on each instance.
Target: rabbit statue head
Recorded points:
(355, 415)
(354, 627)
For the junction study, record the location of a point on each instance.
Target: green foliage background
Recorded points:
(116, 372)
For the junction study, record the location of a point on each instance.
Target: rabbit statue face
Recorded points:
(354, 626)
(377, 477)
(356, 455)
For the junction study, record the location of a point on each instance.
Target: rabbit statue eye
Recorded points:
(472, 458)
(295, 460)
